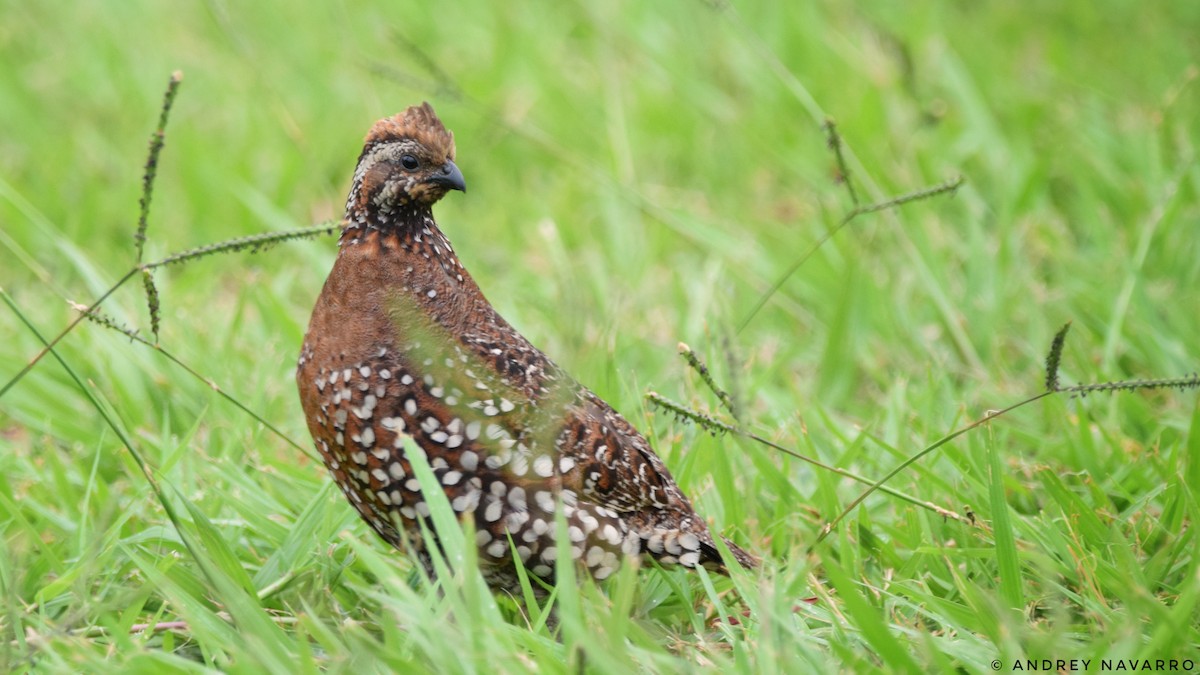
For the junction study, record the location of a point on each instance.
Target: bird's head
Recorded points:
(407, 162)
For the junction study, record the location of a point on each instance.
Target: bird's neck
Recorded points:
(408, 254)
(404, 221)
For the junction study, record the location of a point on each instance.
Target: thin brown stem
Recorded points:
(878, 485)
(63, 333)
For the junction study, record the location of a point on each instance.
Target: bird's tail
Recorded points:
(713, 557)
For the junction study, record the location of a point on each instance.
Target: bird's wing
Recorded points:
(599, 454)
(612, 464)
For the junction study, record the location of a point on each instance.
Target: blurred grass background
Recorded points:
(639, 174)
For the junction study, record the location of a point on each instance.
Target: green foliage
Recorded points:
(640, 174)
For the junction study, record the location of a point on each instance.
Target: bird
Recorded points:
(403, 348)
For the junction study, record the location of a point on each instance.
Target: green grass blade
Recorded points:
(1002, 527)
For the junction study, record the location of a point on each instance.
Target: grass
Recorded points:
(640, 174)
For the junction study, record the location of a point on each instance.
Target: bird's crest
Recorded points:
(418, 123)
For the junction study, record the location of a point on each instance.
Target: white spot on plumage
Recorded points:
(468, 460)
(588, 521)
(594, 555)
(671, 543)
(498, 548)
(466, 501)
(543, 466)
(516, 497)
(515, 519)
(492, 512)
(655, 543)
(520, 465)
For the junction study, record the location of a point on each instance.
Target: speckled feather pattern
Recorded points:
(402, 344)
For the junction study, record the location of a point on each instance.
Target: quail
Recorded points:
(402, 344)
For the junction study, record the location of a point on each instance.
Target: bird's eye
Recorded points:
(409, 162)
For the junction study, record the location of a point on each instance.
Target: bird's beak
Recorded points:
(450, 177)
